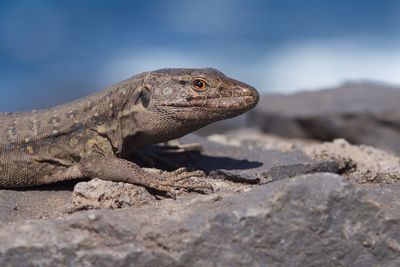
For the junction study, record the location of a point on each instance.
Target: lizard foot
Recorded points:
(181, 179)
(121, 170)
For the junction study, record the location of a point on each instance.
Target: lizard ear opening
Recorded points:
(143, 97)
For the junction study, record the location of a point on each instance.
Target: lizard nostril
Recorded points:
(239, 91)
(252, 92)
(249, 91)
(255, 95)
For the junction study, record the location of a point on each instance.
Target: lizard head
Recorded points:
(199, 95)
(174, 102)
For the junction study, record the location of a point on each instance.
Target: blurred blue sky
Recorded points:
(56, 51)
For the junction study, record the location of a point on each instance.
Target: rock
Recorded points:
(361, 164)
(362, 113)
(97, 194)
(365, 157)
(311, 220)
(369, 164)
(37, 203)
(253, 137)
(253, 164)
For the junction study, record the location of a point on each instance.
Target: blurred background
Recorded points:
(55, 51)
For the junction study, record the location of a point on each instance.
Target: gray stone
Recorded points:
(254, 164)
(97, 194)
(38, 203)
(360, 163)
(362, 113)
(311, 220)
(367, 164)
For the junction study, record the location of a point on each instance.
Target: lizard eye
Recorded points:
(199, 84)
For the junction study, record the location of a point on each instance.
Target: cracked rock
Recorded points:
(362, 113)
(310, 220)
(97, 194)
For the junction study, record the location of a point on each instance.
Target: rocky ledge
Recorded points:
(360, 112)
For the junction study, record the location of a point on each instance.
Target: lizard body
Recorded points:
(92, 136)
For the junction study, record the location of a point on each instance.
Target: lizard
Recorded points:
(92, 137)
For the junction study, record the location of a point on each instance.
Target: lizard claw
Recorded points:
(179, 171)
(180, 178)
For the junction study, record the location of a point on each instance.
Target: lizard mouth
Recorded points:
(216, 104)
(201, 110)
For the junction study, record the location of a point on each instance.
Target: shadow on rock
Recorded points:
(157, 157)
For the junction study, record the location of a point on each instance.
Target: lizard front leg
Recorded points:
(121, 170)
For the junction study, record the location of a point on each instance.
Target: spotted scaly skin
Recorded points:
(92, 136)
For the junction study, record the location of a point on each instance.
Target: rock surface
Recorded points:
(361, 113)
(254, 164)
(368, 164)
(311, 220)
(360, 163)
(97, 194)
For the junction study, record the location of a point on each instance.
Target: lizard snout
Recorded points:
(241, 91)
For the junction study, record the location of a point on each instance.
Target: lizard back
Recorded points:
(36, 144)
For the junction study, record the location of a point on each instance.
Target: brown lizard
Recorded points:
(92, 137)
